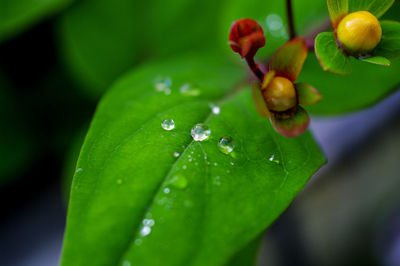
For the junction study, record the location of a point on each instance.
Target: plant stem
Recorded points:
(255, 69)
(289, 12)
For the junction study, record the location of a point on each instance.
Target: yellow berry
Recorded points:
(280, 95)
(359, 32)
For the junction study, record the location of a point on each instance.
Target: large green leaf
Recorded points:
(365, 86)
(17, 15)
(330, 56)
(337, 10)
(376, 7)
(133, 202)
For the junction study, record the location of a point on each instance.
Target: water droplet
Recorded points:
(138, 242)
(226, 144)
(78, 170)
(168, 124)
(163, 85)
(200, 132)
(176, 154)
(119, 181)
(190, 160)
(216, 110)
(178, 181)
(215, 164)
(189, 90)
(166, 190)
(146, 229)
(127, 262)
(273, 159)
(184, 167)
(232, 163)
(196, 163)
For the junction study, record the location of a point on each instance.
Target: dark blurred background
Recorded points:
(55, 63)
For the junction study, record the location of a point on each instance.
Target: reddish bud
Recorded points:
(246, 37)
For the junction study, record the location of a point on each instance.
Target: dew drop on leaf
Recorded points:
(215, 109)
(166, 190)
(200, 132)
(226, 144)
(189, 90)
(168, 124)
(273, 159)
(126, 262)
(176, 154)
(178, 181)
(163, 85)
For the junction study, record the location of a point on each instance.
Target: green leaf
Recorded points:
(378, 60)
(18, 15)
(288, 60)
(330, 56)
(389, 46)
(127, 167)
(367, 85)
(376, 7)
(307, 94)
(248, 255)
(337, 10)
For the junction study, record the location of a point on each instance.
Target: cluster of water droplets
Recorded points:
(164, 84)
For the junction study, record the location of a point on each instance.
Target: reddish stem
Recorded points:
(255, 69)
(289, 12)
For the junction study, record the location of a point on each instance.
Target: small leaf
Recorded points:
(376, 7)
(259, 101)
(267, 79)
(123, 207)
(330, 56)
(337, 10)
(289, 59)
(307, 94)
(17, 16)
(293, 125)
(389, 47)
(378, 60)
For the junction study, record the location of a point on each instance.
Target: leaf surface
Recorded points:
(337, 10)
(389, 47)
(131, 198)
(376, 7)
(330, 56)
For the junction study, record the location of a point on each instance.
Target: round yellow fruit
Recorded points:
(359, 32)
(280, 95)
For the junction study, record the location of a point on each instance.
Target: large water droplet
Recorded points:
(178, 181)
(189, 90)
(200, 132)
(163, 85)
(226, 144)
(273, 159)
(168, 124)
(176, 154)
(146, 229)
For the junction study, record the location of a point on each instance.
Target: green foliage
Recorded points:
(127, 171)
(101, 39)
(330, 56)
(379, 60)
(376, 7)
(18, 15)
(337, 10)
(389, 47)
(366, 85)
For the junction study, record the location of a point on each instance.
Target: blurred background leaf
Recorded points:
(20, 15)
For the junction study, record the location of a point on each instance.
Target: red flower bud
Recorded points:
(246, 37)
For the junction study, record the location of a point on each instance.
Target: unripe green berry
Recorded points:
(280, 95)
(359, 32)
